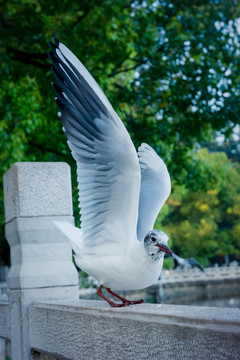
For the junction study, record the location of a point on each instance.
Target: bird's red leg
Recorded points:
(125, 301)
(111, 303)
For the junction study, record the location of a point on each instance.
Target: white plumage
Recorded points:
(121, 191)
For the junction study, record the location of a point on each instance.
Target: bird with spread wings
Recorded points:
(121, 190)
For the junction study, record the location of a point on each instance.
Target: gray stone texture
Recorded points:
(36, 195)
(86, 329)
(40, 255)
(37, 189)
(4, 319)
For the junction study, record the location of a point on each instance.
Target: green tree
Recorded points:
(170, 70)
(206, 223)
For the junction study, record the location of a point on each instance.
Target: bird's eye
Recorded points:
(153, 239)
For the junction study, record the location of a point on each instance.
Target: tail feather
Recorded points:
(73, 234)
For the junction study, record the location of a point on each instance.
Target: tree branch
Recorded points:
(29, 58)
(44, 148)
(77, 22)
(115, 72)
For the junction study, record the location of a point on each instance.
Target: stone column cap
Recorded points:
(33, 189)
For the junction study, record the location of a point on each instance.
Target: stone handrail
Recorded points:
(88, 329)
(193, 274)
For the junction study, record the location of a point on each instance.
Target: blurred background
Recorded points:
(170, 70)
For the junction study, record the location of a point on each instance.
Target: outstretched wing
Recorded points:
(154, 191)
(107, 164)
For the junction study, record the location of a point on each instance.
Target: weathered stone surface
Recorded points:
(40, 254)
(4, 319)
(4, 349)
(91, 329)
(19, 301)
(36, 195)
(37, 189)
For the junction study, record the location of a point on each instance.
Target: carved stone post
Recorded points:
(36, 194)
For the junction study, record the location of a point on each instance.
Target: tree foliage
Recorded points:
(170, 69)
(206, 223)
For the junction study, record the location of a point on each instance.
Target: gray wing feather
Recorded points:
(154, 191)
(107, 165)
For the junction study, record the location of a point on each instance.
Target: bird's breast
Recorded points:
(127, 272)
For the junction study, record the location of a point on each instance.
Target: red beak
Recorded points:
(165, 249)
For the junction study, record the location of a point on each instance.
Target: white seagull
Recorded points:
(121, 191)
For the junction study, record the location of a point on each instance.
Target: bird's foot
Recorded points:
(125, 302)
(113, 304)
(133, 302)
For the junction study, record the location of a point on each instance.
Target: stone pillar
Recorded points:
(36, 194)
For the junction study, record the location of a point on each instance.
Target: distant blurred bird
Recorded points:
(187, 263)
(121, 191)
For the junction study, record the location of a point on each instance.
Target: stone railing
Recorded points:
(42, 318)
(3, 276)
(215, 272)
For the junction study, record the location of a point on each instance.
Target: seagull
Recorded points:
(121, 190)
(187, 263)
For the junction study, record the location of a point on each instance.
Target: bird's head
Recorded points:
(155, 243)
